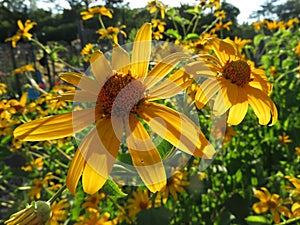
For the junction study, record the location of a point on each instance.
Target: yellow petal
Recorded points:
(100, 67)
(162, 69)
(263, 195)
(226, 97)
(145, 156)
(78, 96)
(75, 171)
(81, 81)
(171, 86)
(222, 49)
(20, 25)
(262, 106)
(100, 149)
(202, 69)
(120, 60)
(206, 91)
(141, 51)
(176, 128)
(57, 126)
(239, 109)
(262, 85)
(260, 207)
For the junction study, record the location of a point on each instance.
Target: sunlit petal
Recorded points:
(162, 69)
(141, 51)
(239, 109)
(177, 129)
(100, 67)
(57, 126)
(99, 149)
(81, 81)
(120, 59)
(145, 156)
(171, 86)
(206, 91)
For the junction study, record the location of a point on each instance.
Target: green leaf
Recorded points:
(173, 33)
(256, 220)
(152, 216)
(192, 36)
(111, 188)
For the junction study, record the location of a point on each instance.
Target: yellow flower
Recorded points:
(284, 139)
(123, 93)
(273, 25)
(296, 209)
(2, 89)
(37, 163)
(220, 14)
(37, 213)
(94, 218)
(58, 212)
(139, 202)
(100, 10)
(159, 24)
(155, 5)
(87, 51)
(23, 32)
(270, 202)
(290, 23)
(220, 26)
(237, 84)
(297, 49)
(24, 69)
(297, 149)
(93, 201)
(174, 184)
(35, 191)
(111, 33)
(258, 25)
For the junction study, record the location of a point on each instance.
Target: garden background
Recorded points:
(254, 178)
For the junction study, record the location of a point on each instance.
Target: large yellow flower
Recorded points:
(236, 82)
(123, 92)
(23, 32)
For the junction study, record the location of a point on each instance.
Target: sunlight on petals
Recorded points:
(120, 59)
(100, 67)
(238, 111)
(141, 51)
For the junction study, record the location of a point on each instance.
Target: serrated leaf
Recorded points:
(111, 188)
(192, 36)
(256, 220)
(152, 216)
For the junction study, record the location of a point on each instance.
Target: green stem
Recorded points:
(57, 194)
(101, 22)
(210, 26)
(120, 208)
(290, 221)
(196, 24)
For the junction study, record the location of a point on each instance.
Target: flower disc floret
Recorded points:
(237, 71)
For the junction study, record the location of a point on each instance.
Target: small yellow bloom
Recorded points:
(87, 51)
(35, 191)
(155, 5)
(35, 214)
(284, 139)
(94, 218)
(220, 14)
(111, 33)
(273, 25)
(2, 89)
(290, 23)
(100, 10)
(270, 202)
(175, 184)
(93, 201)
(297, 149)
(139, 202)
(296, 209)
(297, 49)
(58, 212)
(37, 163)
(258, 25)
(23, 32)
(24, 69)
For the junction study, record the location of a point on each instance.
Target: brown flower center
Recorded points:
(237, 71)
(143, 205)
(121, 95)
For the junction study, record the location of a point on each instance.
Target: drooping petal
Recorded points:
(100, 67)
(176, 128)
(57, 126)
(262, 106)
(75, 171)
(141, 51)
(171, 86)
(263, 195)
(162, 69)
(99, 149)
(145, 156)
(120, 59)
(260, 207)
(206, 91)
(238, 110)
(226, 97)
(81, 81)
(262, 85)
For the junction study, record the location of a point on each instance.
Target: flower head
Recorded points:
(155, 5)
(100, 10)
(236, 83)
(58, 212)
(123, 93)
(24, 69)
(35, 214)
(23, 32)
(94, 218)
(270, 202)
(111, 33)
(139, 202)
